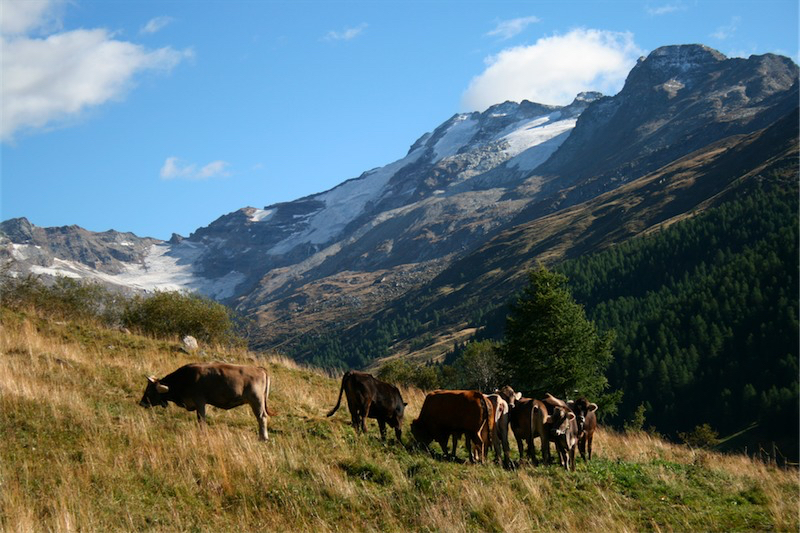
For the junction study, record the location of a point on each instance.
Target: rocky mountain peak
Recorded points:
(18, 230)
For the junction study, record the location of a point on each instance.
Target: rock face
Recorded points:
(474, 176)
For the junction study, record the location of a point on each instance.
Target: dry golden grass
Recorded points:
(79, 454)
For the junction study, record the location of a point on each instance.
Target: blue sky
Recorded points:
(160, 116)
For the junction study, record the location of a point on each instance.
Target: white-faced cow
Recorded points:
(369, 397)
(499, 438)
(563, 430)
(447, 413)
(587, 424)
(222, 385)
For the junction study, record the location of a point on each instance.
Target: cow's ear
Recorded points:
(592, 407)
(517, 395)
(162, 389)
(571, 415)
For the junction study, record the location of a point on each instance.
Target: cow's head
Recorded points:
(581, 407)
(154, 394)
(561, 421)
(420, 433)
(508, 394)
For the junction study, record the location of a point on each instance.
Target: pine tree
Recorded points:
(550, 345)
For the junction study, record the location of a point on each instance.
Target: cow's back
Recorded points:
(454, 411)
(222, 385)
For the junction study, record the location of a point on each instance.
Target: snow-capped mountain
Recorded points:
(394, 228)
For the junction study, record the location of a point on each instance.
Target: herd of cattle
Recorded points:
(482, 419)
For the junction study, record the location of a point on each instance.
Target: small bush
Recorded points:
(172, 313)
(66, 298)
(703, 436)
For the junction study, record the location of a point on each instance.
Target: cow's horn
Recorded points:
(151, 379)
(162, 389)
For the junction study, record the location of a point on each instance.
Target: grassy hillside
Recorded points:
(78, 453)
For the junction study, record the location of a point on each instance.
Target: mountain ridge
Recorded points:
(359, 246)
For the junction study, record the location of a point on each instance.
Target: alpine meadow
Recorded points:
(575, 316)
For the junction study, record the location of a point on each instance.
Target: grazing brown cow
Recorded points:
(369, 397)
(563, 430)
(587, 424)
(196, 385)
(448, 413)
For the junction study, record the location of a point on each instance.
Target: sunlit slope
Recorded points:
(78, 453)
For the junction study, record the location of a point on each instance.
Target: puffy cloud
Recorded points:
(23, 16)
(555, 69)
(155, 25)
(509, 28)
(55, 78)
(174, 168)
(346, 34)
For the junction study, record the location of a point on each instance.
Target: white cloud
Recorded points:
(175, 168)
(156, 24)
(555, 69)
(346, 34)
(727, 31)
(665, 9)
(509, 28)
(23, 16)
(55, 78)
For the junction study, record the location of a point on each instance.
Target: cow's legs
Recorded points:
(364, 418)
(261, 415)
(545, 443)
(382, 428)
(589, 442)
(478, 442)
(582, 446)
(520, 447)
(532, 451)
(201, 412)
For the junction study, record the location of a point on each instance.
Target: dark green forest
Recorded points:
(706, 316)
(705, 313)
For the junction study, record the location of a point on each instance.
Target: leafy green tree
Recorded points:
(550, 345)
(478, 367)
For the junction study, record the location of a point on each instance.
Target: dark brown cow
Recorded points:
(528, 419)
(196, 385)
(447, 413)
(587, 424)
(369, 397)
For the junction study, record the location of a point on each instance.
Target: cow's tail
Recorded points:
(266, 395)
(341, 389)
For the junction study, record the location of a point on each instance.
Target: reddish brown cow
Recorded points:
(447, 413)
(369, 397)
(587, 424)
(196, 385)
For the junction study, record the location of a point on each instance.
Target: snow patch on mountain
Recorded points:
(165, 268)
(343, 204)
(532, 143)
(458, 134)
